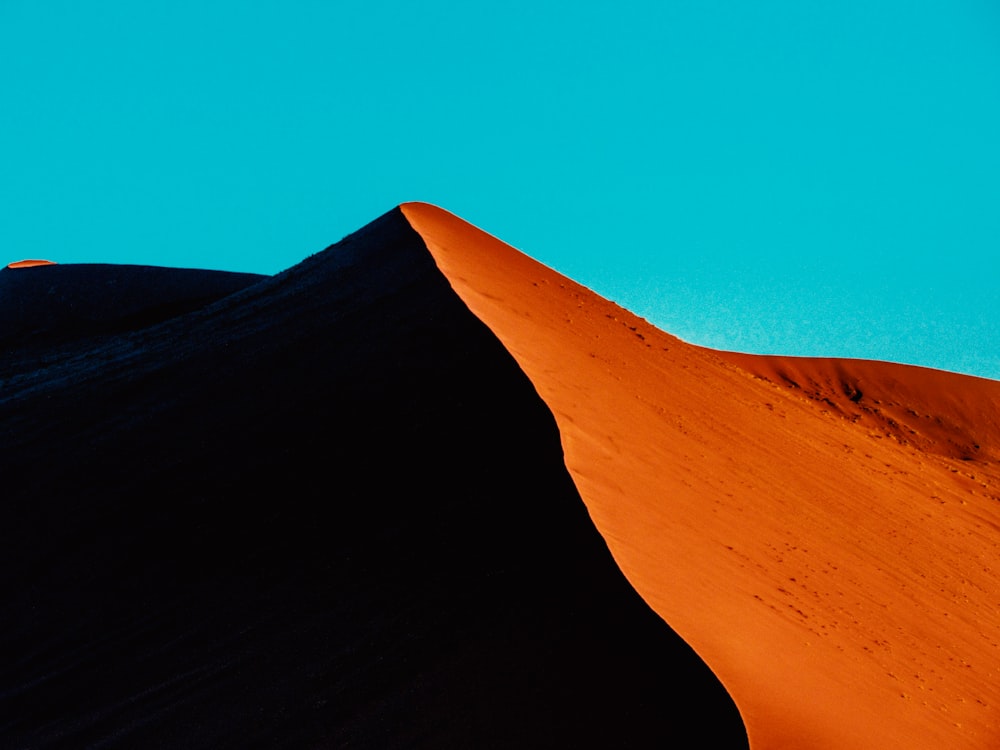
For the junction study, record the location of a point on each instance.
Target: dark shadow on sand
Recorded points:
(328, 510)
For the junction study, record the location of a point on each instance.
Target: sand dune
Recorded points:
(422, 491)
(823, 532)
(42, 299)
(327, 510)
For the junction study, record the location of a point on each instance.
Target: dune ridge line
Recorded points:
(822, 532)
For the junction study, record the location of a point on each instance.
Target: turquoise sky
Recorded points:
(796, 177)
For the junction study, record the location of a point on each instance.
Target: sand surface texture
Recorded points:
(825, 533)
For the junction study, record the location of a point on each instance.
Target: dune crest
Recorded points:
(823, 532)
(30, 263)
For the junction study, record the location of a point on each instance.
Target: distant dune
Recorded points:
(422, 491)
(40, 299)
(29, 263)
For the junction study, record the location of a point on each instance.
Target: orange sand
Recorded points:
(30, 263)
(825, 533)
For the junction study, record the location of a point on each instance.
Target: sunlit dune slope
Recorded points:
(30, 263)
(936, 412)
(825, 533)
(326, 511)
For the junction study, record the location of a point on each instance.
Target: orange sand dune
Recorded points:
(825, 533)
(30, 263)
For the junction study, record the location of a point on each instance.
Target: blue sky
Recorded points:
(795, 176)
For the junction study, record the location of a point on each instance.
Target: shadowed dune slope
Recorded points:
(51, 300)
(824, 533)
(329, 510)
